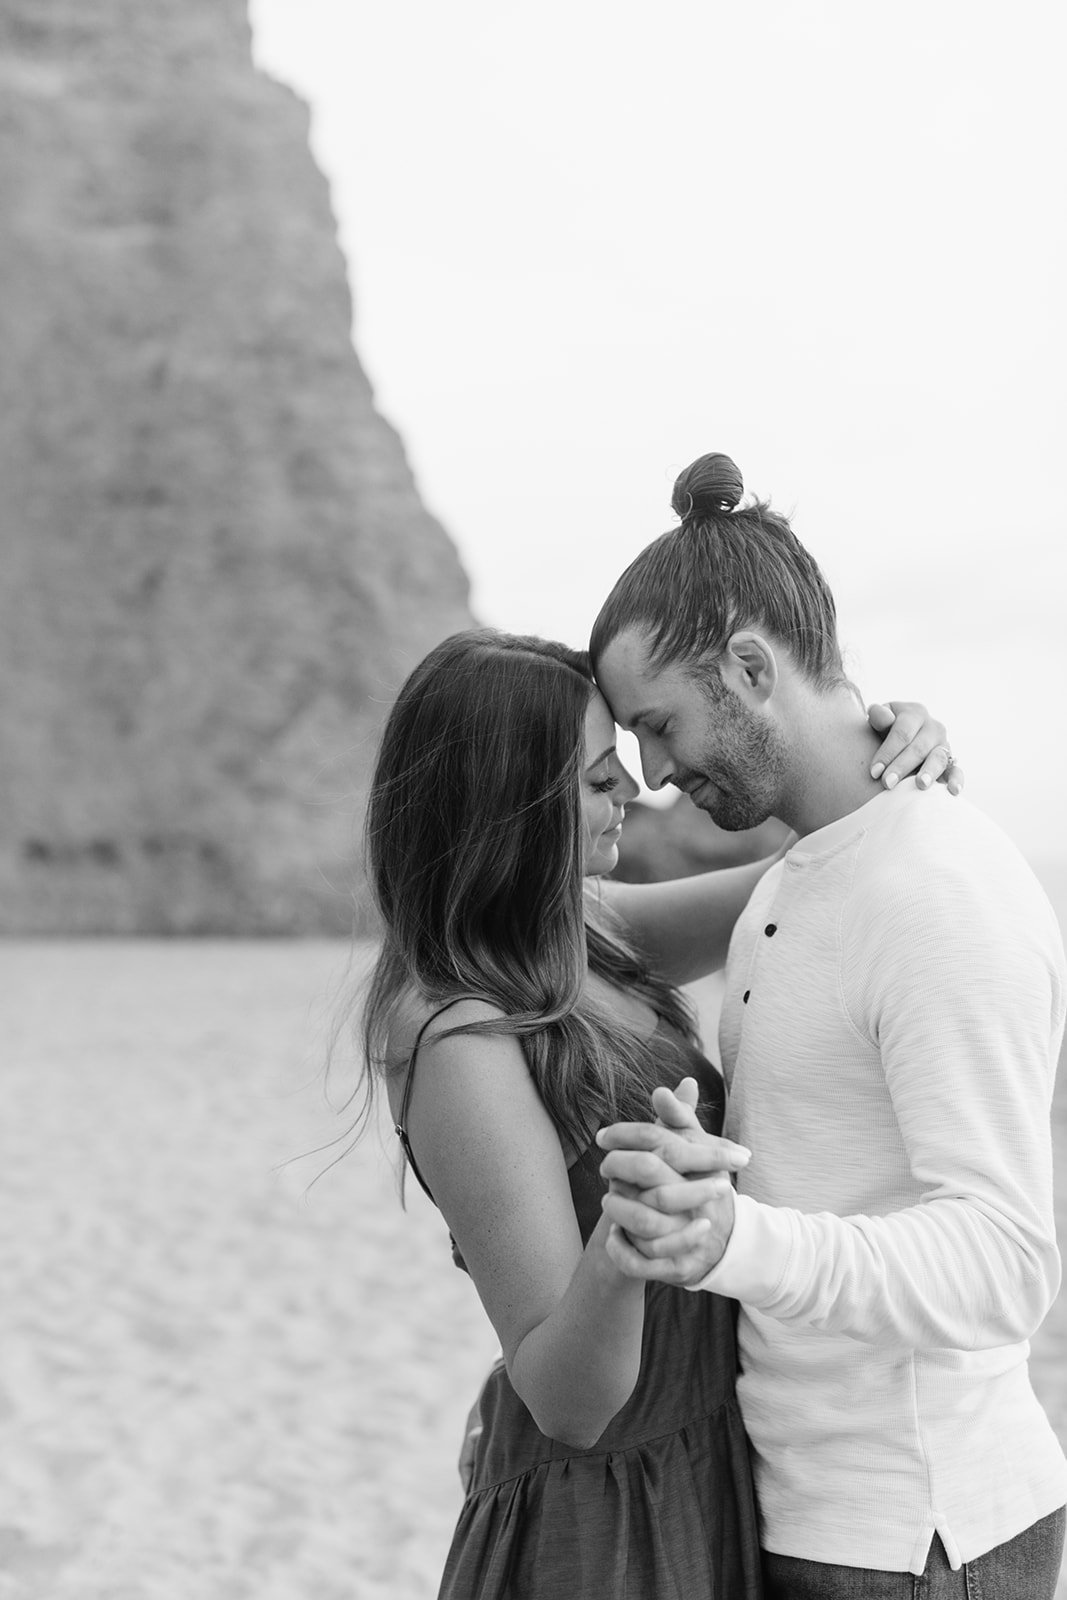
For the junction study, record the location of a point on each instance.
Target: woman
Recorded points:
(511, 1015)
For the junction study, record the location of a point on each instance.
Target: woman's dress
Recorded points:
(662, 1506)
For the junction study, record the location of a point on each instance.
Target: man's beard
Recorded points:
(746, 763)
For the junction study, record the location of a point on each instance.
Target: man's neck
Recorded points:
(830, 776)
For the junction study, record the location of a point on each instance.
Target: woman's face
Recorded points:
(606, 787)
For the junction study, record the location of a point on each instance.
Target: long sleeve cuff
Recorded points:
(756, 1256)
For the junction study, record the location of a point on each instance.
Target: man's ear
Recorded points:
(748, 665)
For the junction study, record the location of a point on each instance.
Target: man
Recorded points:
(893, 1016)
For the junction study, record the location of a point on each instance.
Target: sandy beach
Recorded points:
(219, 1383)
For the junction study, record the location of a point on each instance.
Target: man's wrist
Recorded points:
(720, 1215)
(756, 1254)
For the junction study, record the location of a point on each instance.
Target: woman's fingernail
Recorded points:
(877, 769)
(923, 780)
(892, 781)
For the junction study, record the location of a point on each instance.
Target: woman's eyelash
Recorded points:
(606, 785)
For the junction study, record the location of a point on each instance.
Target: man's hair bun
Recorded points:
(710, 486)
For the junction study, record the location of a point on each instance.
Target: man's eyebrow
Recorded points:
(610, 751)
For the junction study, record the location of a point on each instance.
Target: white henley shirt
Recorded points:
(893, 1016)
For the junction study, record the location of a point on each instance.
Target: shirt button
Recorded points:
(745, 996)
(770, 929)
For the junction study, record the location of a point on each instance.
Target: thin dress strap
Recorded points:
(400, 1126)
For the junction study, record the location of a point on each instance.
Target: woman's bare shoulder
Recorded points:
(418, 1014)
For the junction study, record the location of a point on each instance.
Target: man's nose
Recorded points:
(656, 767)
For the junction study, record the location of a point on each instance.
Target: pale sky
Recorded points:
(589, 241)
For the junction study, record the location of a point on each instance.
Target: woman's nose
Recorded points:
(629, 789)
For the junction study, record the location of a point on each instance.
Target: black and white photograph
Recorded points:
(533, 871)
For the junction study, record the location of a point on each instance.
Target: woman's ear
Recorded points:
(748, 665)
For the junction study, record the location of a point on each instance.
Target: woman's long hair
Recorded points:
(474, 845)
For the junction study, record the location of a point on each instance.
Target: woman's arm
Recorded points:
(683, 926)
(569, 1321)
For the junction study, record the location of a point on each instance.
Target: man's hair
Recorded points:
(725, 567)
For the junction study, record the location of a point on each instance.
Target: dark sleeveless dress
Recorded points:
(662, 1506)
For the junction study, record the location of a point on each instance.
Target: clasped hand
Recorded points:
(670, 1198)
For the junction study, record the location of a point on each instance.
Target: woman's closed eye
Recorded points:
(605, 785)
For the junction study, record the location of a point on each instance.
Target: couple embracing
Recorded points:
(790, 1361)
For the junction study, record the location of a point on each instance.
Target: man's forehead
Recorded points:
(627, 654)
(626, 677)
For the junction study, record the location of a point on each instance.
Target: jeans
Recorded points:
(1025, 1568)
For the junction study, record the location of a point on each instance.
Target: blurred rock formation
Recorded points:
(216, 567)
